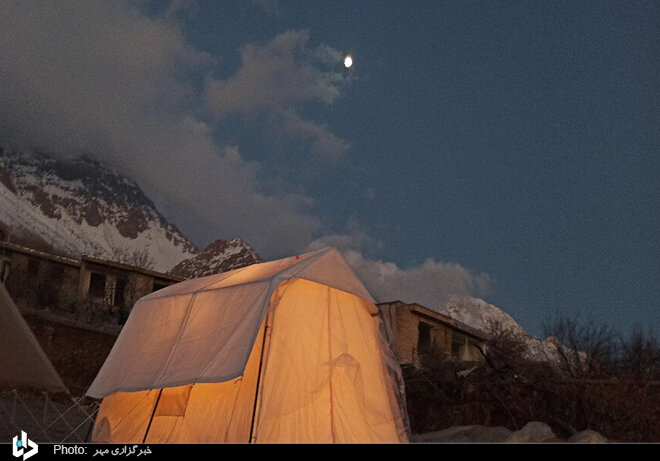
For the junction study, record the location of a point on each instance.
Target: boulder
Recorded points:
(484, 434)
(454, 434)
(587, 436)
(533, 432)
(465, 434)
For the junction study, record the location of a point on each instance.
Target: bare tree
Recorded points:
(139, 258)
(640, 355)
(505, 346)
(583, 349)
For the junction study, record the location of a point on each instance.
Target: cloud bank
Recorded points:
(278, 77)
(106, 79)
(431, 283)
(111, 81)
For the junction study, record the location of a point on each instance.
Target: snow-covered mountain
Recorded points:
(219, 256)
(479, 314)
(78, 206)
(487, 317)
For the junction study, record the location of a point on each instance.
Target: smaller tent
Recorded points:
(292, 350)
(23, 363)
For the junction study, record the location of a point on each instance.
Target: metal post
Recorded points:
(256, 392)
(153, 413)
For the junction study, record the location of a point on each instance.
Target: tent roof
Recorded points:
(325, 266)
(23, 363)
(203, 330)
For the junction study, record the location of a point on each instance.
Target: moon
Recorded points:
(348, 61)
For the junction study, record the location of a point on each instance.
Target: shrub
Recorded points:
(596, 381)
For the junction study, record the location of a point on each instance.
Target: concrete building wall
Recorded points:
(419, 333)
(139, 285)
(404, 331)
(21, 288)
(36, 282)
(90, 290)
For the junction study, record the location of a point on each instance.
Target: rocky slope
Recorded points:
(479, 314)
(78, 206)
(219, 256)
(487, 317)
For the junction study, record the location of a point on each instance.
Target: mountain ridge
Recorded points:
(487, 317)
(78, 206)
(219, 256)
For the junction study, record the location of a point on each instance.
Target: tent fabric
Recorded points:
(326, 378)
(289, 351)
(214, 413)
(23, 363)
(324, 266)
(203, 330)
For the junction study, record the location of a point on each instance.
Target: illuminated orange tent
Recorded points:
(292, 350)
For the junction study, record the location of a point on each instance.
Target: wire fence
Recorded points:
(44, 417)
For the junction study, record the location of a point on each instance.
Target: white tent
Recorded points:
(23, 363)
(292, 350)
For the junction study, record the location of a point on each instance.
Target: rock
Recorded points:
(587, 436)
(454, 434)
(465, 434)
(464, 373)
(533, 432)
(484, 434)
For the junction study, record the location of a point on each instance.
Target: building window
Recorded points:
(424, 339)
(33, 267)
(56, 274)
(456, 349)
(120, 288)
(462, 347)
(4, 271)
(97, 285)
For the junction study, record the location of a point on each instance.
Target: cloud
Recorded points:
(431, 283)
(274, 76)
(107, 79)
(324, 143)
(355, 238)
(276, 79)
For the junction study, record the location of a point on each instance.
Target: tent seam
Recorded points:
(179, 335)
(332, 408)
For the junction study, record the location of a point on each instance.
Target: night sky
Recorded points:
(515, 141)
